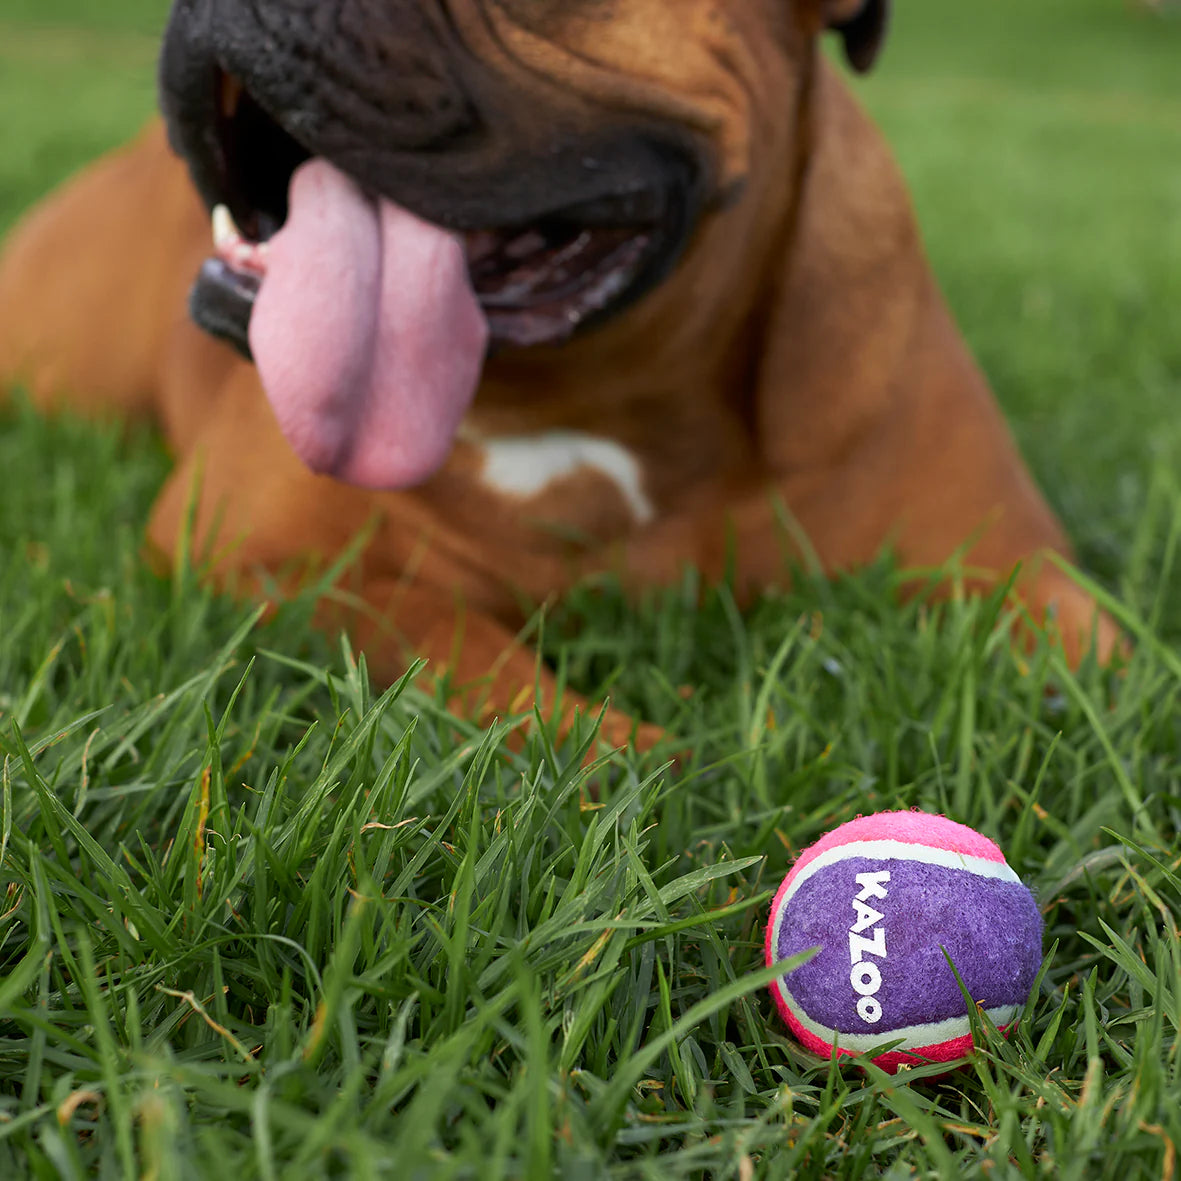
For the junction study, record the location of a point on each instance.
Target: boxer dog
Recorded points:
(518, 291)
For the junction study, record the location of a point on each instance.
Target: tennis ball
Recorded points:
(882, 897)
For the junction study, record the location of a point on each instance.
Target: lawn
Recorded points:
(263, 919)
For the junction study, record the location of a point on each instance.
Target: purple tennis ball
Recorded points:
(883, 897)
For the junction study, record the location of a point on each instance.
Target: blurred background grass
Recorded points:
(1042, 140)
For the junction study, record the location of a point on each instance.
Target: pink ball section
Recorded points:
(1011, 916)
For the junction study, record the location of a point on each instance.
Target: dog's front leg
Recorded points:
(487, 671)
(926, 469)
(259, 523)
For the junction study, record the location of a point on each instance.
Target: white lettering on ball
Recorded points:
(866, 915)
(860, 947)
(869, 1009)
(865, 976)
(873, 885)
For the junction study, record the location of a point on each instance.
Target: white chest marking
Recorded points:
(525, 465)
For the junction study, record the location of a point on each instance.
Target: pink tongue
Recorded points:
(366, 333)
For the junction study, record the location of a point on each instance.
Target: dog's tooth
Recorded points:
(525, 245)
(225, 231)
(229, 95)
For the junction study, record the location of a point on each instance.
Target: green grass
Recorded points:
(261, 921)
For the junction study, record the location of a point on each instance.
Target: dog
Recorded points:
(522, 291)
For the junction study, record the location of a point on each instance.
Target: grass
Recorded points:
(262, 920)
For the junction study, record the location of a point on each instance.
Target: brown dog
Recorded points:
(660, 276)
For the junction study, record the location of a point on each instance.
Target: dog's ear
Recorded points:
(862, 24)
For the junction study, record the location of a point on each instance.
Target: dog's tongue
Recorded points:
(366, 333)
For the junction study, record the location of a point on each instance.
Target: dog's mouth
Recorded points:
(367, 282)
(537, 281)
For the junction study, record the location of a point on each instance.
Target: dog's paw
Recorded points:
(618, 729)
(1073, 620)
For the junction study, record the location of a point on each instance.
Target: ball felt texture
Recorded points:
(883, 897)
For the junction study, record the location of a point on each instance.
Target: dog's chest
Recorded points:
(559, 468)
(561, 485)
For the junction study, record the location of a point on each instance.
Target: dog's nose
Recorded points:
(386, 70)
(389, 62)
